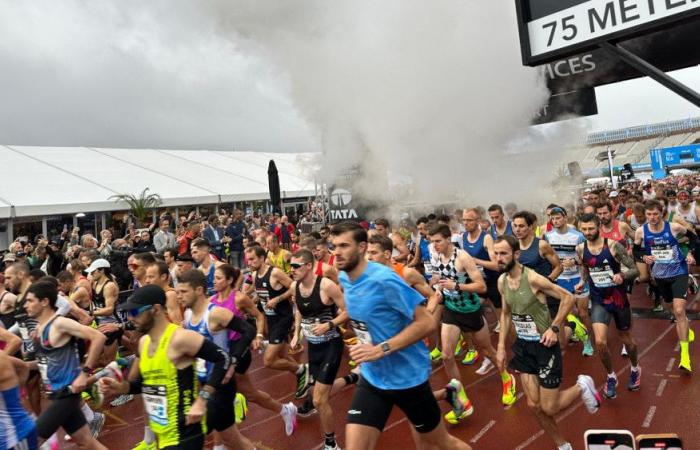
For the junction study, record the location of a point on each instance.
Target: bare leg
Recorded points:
(450, 336)
(631, 346)
(322, 395)
(84, 440)
(233, 438)
(439, 438)
(681, 318)
(275, 357)
(361, 437)
(245, 387)
(601, 343)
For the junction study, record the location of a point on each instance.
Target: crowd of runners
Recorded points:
(175, 320)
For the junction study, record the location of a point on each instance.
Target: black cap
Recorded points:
(147, 295)
(184, 257)
(670, 192)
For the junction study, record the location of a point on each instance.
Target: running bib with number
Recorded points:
(361, 331)
(525, 327)
(663, 254)
(44, 372)
(264, 297)
(307, 327)
(602, 277)
(155, 400)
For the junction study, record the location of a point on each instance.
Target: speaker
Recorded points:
(574, 169)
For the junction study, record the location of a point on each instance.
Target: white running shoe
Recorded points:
(623, 352)
(289, 415)
(486, 367)
(590, 396)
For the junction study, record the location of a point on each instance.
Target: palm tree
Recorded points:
(140, 206)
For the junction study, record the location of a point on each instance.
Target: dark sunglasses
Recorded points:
(296, 265)
(136, 311)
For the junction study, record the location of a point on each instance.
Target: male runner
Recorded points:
(320, 309)
(59, 365)
(611, 228)
(390, 322)
(687, 209)
(158, 273)
(202, 257)
(499, 225)
(536, 354)
(104, 305)
(276, 255)
(270, 284)
(657, 244)
(459, 282)
(18, 430)
(602, 261)
(400, 253)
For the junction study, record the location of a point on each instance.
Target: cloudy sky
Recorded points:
(180, 74)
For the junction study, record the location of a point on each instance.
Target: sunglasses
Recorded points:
(296, 265)
(136, 311)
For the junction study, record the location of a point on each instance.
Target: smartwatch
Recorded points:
(386, 349)
(555, 328)
(204, 395)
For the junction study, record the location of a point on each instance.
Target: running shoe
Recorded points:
(580, 330)
(623, 352)
(457, 397)
(289, 415)
(684, 363)
(303, 382)
(565, 446)
(610, 388)
(691, 335)
(306, 410)
(587, 348)
(458, 349)
(435, 355)
(97, 423)
(470, 357)
(509, 391)
(658, 308)
(591, 398)
(144, 446)
(692, 284)
(122, 400)
(486, 367)
(240, 407)
(453, 419)
(635, 379)
(330, 447)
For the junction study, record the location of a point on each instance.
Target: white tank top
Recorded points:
(689, 216)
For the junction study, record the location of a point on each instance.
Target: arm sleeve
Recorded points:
(212, 353)
(62, 306)
(638, 251)
(238, 347)
(135, 385)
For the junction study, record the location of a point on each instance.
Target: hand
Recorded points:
(257, 342)
(549, 338)
(196, 412)
(111, 387)
(80, 383)
(108, 328)
(690, 259)
(501, 358)
(294, 342)
(618, 279)
(321, 329)
(85, 319)
(272, 303)
(365, 353)
(229, 373)
(649, 259)
(579, 287)
(568, 263)
(449, 285)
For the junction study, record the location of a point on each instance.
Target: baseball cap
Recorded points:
(145, 296)
(184, 257)
(613, 194)
(557, 210)
(9, 257)
(100, 263)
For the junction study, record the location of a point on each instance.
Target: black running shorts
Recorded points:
(244, 363)
(674, 287)
(467, 322)
(324, 360)
(534, 358)
(61, 412)
(371, 406)
(278, 328)
(192, 443)
(622, 317)
(220, 412)
(492, 292)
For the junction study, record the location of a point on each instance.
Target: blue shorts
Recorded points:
(570, 285)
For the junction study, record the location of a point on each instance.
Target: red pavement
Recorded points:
(667, 402)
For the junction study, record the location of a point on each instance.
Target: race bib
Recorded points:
(361, 331)
(525, 327)
(307, 327)
(428, 269)
(24, 333)
(602, 277)
(156, 403)
(44, 372)
(264, 297)
(663, 254)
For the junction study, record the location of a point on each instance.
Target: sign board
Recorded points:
(563, 106)
(555, 29)
(663, 159)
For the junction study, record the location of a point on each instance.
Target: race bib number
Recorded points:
(264, 297)
(44, 372)
(662, 254)
(602, 278)
(156, 402)
(361, 331)
(201, 368)
(428, 269)
(525, 327)
(307, 327)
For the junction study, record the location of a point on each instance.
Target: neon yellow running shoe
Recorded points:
(453, 419)
(435, 355)
(458, 349)
(509, 391)
(691, 335)
(580, 330)
(470, 357)
(240, 407)
(457, 397)
(143, 446)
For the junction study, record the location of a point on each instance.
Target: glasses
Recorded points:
(296, 265)
(136, 311)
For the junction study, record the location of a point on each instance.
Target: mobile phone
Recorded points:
(669, 441)
(609, 440)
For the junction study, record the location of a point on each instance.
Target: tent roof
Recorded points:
(65, 180)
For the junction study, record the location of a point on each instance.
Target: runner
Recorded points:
(239, 304)
(536, 354)
(657, 244)
(59, 365)
(390, 322)
(104, 305)
(400, 253)
(166, 376)
(499, 225)
(421, 257)
(18, 428)
(460, 282)
(320, 309)
(610, 228)
(687, 209)
(325, 260)
(276, 255)
(564, 240)
(158, 273)
(602, 261)
(270, 284)
(202, 257)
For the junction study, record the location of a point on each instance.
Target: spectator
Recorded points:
(235, 232)
(164, 239)
(214, 234)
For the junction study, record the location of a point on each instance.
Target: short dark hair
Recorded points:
(585, 218)
(36, 274)
(304, 255)
(163, 268)
(495, 207)
(212, 217)
(384, 242)
(171, 251)
(527, 216)
(604, 205)
(20, 267)
(421, 220)
(431, 217)
(444, 218)
(653, 204)
(45, 289)
(359, 234)
(64, 276)
(145, 257)
(324, 228)
(257, 250)
(513, 243)
(195, 278)
(439, 228)
(200, 243)
(383, 222)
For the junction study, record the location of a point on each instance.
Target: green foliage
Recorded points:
(141, 205)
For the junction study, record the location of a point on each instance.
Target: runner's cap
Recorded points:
(100, 263)
(144, 296)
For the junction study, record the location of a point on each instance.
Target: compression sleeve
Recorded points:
(638, 251)
(238, 347)
(692, 239)
(135, 385)
(212, 353)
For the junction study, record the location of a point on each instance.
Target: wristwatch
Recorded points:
(385, 347)
(204, 395)
(555, 328)
(86, 370)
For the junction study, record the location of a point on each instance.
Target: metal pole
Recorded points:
(653, 72)
(610, 167)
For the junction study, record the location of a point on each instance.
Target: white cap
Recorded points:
(97, 264)
(612, 194)
(696, 189)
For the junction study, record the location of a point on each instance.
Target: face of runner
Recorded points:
(521, 229)
(496, 218)
(348, 253)
(590, 230)
(137, 269)
(470, 220)
(152, 275)
(145, 321)
(604, 215)
(255, 262)
(558, 220)
(300, 269)
(97, 275)
(320, 251)
(33, 306)
(272, 244)
(186, 295)
(376, 254)
(440, 243)
(684, 199)
(198, 254)
(221, 283)
(13, 280)
(422, 229)
(183, 266)
(593, 198)
(504, 256)
(382, 230)
(653, 216)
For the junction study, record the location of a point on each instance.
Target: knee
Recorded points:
(320, 399)
(678, 310)
(268, 359)
(448, 357)
(550, 410)
(534, 406)
(601, 345)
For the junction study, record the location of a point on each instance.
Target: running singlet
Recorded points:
(230, 304)
(508, 232)
(689, 216)
(58, 366)
(663, 246)
(98, 301)
(424, 245)
(220, 338)
(531, 258)
(210, 279)
(15, 423)
(380, 305)
(319, 266)
(477, 250)
(601, 268)
(279, 261)
(264, 290)
(530, 316)
(168, 393)
(564, 245)
(614, 234)
(461, 302)
(314, 312)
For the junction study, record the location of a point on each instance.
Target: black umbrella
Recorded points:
(273, 180)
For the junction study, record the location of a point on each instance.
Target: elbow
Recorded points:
(481, 288)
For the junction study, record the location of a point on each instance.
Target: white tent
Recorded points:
(40, 181)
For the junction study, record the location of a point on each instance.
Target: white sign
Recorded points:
(340, 201)
(595, 19)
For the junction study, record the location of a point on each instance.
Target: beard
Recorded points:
(593, 237)
(148, 322)
(505, 268)
(349, 263)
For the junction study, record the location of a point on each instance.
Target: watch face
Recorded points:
(385, 347)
